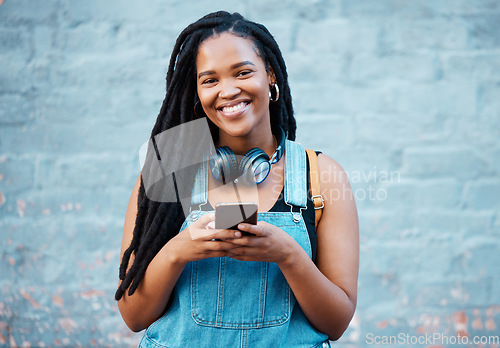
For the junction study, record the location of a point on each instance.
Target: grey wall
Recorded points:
(405, 95)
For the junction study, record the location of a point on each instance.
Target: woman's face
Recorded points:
(233, 85)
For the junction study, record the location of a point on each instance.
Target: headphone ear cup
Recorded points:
(224, 165)
(254, 165)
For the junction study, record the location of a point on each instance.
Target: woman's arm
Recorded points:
(150, 299)
(326, 291)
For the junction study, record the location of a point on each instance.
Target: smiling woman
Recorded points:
(233, 86)
(285, 281)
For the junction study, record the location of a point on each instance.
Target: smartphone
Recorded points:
(229, 215)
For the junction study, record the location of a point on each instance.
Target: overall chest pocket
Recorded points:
(232, 294)
(228, 293)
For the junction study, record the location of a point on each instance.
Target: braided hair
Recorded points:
(157, 222)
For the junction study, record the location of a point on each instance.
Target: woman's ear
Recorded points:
(271, 76)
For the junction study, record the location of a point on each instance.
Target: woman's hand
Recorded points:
(200, 241)
(270, 244)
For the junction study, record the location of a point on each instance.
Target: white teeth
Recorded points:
(234, 108)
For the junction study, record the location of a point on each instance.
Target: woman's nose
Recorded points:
(228, 91)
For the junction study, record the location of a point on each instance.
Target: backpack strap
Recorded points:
(316, 196)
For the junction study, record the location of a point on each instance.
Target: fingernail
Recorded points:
(241, 227)
(237, 234)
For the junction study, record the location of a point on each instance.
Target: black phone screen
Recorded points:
(229, 215)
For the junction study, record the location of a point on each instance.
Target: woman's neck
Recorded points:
(264, 140)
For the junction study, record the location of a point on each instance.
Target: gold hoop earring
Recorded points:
(274, 90)
(197, 106)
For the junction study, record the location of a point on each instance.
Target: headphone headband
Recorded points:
(281, 147)
(254, 166)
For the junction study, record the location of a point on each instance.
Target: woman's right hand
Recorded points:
(196, 242)
(200, 241)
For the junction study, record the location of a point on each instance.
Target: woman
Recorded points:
(287, 285)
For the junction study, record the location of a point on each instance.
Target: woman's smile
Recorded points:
(233, 109)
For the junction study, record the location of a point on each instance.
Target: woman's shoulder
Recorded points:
(326, 162)
(331, 172)
(336, 190)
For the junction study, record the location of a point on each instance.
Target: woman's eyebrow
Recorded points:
(234, 66)
(240, 64)
(205, 73)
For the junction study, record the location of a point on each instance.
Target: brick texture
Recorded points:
(405, 95)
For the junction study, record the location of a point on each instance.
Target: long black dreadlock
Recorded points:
(157, 222)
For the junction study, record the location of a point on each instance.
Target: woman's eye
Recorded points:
(208, 81)
(244, 72)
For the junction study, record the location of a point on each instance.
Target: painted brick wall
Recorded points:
(405, 95)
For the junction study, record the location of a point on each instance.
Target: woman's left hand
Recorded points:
(269, 244)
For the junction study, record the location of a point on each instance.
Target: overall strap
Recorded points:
(295, 178)
(199, 194)
(295, 175)
(316, 196)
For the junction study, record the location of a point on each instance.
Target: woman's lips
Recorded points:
(234, 110)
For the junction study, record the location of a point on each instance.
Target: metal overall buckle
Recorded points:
(296, 215)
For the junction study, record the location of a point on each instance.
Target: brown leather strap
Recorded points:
(318, 200)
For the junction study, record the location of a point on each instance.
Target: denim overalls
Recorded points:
(222, 302)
